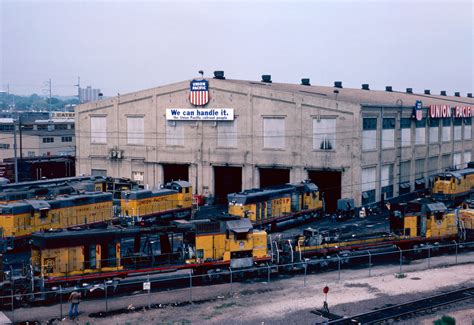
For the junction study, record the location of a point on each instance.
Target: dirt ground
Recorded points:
(289, 301)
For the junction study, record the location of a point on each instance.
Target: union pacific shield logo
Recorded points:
(417, 111)
(199, 92)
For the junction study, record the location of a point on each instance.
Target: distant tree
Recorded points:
(445, 320)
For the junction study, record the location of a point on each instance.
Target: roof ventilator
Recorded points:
(267, 78)
(365, 86)
(219, 75)
(305, 82)
(443, 93)
(469, 95)
(338, 84)
(409, 90)
(388, 88)
(427, 92)
(457, 94)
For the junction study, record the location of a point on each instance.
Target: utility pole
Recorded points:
(78, 88)
(50, 94)
(21, 139)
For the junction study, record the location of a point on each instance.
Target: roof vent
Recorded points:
(457, 94)
(267, 78)
(469, 95)
(219, 75)
(338, 84)
(388, 88)
(443, 93)
(427, 92)
(305, 82)
(409, 90)
(365, 86)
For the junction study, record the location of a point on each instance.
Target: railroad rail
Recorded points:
(405, 309)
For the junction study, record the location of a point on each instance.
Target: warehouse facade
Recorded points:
(229, 135)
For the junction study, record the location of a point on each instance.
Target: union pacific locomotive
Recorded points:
(277, 204)
(454, 186)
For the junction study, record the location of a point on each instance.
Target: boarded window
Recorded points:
(368, 178)
(388, 133)
(369, 134)
(273, 132)
(446, 134)
(420, 135)
(434, 130)
(405, 170)
(386, 180)
(446, 161)
(324, 133)
(98, 129)
(467, 129)
(467, 157)
(457, 160)
(457, 129)
(405, 125)
(98, 172)
(419, 168)
(135, 130)
(227, 134)
(174, 133)
(433, 165)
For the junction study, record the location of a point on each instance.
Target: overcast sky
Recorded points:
(129, 46)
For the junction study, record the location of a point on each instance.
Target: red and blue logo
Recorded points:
(199, 92)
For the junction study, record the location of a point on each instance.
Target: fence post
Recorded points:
(149, 289)
(305, 271)
(456, 246)
(401, 259)
(190, 287)
(370, 262)
(13, 303)
(429, 257)
(230, 270)
(106, 298)
(338, 267)
(268, 273)
(61, 301)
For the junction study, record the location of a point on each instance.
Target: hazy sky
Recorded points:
(128, 46)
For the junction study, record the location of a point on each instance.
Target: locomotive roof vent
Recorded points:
(443, 93)
(469, 95)
(388, 88)
(305, 82)
(409, 90)
(427, 92)
(457, 94)
(219, 75)
(267, 78)
(365, 86)
(338, 84)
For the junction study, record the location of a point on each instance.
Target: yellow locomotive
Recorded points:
(76, 255)
(453, 186)
(20, 219)
(174, 200)
(277, 204)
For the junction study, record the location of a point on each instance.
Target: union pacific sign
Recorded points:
(445, 111)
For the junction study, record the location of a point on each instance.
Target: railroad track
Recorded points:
(393, 312)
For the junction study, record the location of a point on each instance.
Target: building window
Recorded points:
(138, 177)
(405, 171)
(48, 140)
(420, 135)
(467, 158)
(457, 160)
(446, 134)
(99, 172)
(60, 126)
(227, 134)
(42, 127)
(388, 133)
(6, 127)
(135, 130)
(368, 185)
(324, 133)
(457, 129)
(66, 139)
(432, 166)
(434, 130)
(467, 128)
(174, 133)
(419, 168)
(31, 153)
(98, 129)
(274, 132)
(4, 146)
(369, 134)
(386, 181)
(405, 126)
(446, 161)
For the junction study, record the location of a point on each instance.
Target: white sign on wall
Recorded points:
(200, 114)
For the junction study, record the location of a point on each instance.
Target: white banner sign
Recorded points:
(200, 114)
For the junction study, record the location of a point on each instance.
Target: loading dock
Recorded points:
(226, 180)
(329, 183)
(273, 176)
(175, 172)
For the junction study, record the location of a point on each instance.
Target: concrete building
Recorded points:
(357, 143)
(88, 94)
(37, 135)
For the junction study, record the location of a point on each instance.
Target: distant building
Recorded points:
(88, 94)
(41, 135)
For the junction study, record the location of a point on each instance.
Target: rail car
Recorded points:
(269, 206)
(173, 201)
(454, 186)
(18, 220)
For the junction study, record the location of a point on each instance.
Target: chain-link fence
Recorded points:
(113, 296)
